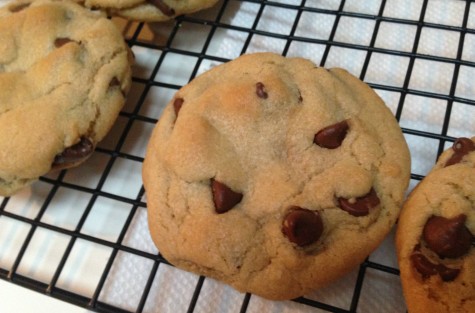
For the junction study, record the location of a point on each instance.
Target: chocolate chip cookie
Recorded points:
(64, 74)
(435, 235)
(149, 10)
(274, 175)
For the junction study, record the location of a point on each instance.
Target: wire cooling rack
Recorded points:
(81, 235)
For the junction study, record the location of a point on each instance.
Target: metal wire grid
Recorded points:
(113, 153)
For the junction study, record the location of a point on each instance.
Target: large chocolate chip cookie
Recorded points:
(274, 175)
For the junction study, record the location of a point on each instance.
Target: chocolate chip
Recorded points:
(447, 273)
(114, 82)
(177, 105)
(449, 238)
(426, 268)
(19, 7)
(75, 153)
(163, 7)
(302, 226)
(360, 206)
(61, 41)
(261, 91)
(223, 197)
(462, 146)
(331, 136)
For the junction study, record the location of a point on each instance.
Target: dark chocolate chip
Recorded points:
(447, 273)
(449, 238)
(261, 90)
(426, 268)
(114, 82)
(302, 226)
(331, 136)
(163, 7)
(19, 7)
(61, 41)
(75, 153)
(223, 197)
(177, 104)
(360, 206)
(300, 96)
(462, 146)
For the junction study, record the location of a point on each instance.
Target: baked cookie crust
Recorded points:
(274, 175)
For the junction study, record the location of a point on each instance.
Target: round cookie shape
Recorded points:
(149, 10)
(64, 75)
(435, 237)
(311, 165)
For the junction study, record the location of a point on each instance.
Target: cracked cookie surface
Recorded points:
(149, 10)
(64, 74)
(435, 235)
(274, 175)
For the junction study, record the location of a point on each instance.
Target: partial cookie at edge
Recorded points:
(61, 86)
(149, 10)
(434, 238)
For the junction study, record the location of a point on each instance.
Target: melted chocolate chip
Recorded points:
(114, 82)
(163, 7)
(462, 147)
(426, 268)
(360, 206)
(75, 153)
(302, 226)
(19, 7)
(177, 104)
(447, 273)
(223, 197)
(61, 41)
(261, 91)
(331, 136)
(449, 238)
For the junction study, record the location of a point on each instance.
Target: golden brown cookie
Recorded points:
(435, 241)
(64, 74)
(149, 10)
(274, 175)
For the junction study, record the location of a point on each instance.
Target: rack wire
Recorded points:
(80, 235)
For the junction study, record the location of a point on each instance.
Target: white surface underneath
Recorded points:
(13, 301)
